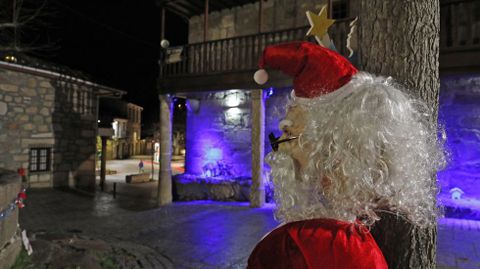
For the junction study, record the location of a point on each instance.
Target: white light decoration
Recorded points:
(233, 116)
(165, 43)
(156, 155)
(115, 128)
(456, 193)
(234, 112)
(232, 99)
(11, 59)
(260, 77)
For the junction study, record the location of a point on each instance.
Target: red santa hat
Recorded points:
(315, 70)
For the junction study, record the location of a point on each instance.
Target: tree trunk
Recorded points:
(400, 38)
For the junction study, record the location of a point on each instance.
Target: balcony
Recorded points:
(230, 63)
(460, 36)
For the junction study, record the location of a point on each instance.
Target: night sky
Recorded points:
(116, 42)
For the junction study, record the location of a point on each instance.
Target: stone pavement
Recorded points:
(458, 244)
(195, 234)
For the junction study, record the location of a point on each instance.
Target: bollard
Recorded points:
(114, 189)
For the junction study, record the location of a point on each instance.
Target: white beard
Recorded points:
(374, 143)
(298, 196)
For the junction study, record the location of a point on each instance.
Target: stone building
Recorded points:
(48, 125)
(134, 128)
(224, 46)
(228, 116)
(276, 15)
(126, 120)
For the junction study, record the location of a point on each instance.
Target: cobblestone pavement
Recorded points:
(196, 234)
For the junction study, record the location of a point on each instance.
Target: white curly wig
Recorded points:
(376, 145)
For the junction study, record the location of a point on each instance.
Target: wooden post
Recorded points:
(205, 22)
(165, 173)
(162, 26)
(260, 16)
(162, 50)
(257, 192)
(153, 159)
(330, 9)
(103, 164)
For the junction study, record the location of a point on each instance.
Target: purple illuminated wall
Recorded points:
(219, 135)
(275, 105)
(219, 132)
(459, 112)
(218, 139)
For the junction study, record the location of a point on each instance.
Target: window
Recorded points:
(39, 159)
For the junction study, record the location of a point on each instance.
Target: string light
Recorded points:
(17, 202)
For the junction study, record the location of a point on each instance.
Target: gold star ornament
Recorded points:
(319, 23)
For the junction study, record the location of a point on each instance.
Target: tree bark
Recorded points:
(400, 38)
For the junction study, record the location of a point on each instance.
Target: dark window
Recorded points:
(39, 159)
(340, 9)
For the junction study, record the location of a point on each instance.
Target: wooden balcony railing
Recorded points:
(460, 25)
(240, 53)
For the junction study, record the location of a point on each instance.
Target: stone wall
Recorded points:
(45, 111)
(10, 242)
(219, 133)
(243, 20)
(459, 113)
(275, 110)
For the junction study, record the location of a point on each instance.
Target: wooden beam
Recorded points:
(181, 9)
(205, 22)
(162, 31)
(194, 4)
(260, 15)
(103, 163)
(220, 4)
(220, 82)
(185, 17)
(330, 9)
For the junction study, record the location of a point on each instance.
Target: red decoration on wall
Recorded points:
(21, 171)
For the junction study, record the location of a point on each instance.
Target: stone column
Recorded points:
(165, 173)
(257, 192)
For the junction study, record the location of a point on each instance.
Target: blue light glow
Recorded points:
(213, 155)
(269, 92)
(460, 117)
(218, 234)
(218, 138)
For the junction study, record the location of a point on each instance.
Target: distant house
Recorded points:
(48, 124)
(126, 120)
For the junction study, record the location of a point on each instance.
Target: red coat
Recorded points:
(317, 243)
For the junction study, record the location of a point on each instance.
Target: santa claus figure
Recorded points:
(353, 144)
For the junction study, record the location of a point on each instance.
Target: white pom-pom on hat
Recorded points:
(261, 76)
